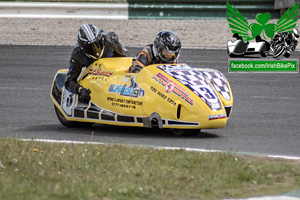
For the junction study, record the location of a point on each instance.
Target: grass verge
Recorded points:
(35, 170)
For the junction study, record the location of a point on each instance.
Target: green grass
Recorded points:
(35, 170)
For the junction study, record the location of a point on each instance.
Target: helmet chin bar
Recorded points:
(96, 57)
(168, 55)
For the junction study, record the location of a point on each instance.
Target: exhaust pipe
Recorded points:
(153, 121)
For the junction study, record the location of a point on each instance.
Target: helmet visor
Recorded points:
(168, 55)
(97, 50)
(93, 50)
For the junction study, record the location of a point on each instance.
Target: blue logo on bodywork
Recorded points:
(129, 91)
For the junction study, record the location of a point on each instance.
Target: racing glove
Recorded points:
(84, 95)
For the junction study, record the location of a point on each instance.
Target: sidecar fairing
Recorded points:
(236, 48)
(240, 48)
(164, 96)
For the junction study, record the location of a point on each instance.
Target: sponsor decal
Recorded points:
(174, 68)
(99, 72)
(160, 94)
(126, 77)
(124, 103)
(218, 116)
(133, 90)
(196, 82)
(171, 86)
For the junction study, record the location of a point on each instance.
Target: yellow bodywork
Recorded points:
(130, 99)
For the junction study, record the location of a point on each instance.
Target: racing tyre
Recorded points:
(67, 123)
(278, 51)
(287, 54)
(185, 132)
(263, 54)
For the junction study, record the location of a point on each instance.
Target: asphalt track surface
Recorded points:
(265, 117)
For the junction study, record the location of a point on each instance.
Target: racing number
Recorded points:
(68, 102)
(208, 94)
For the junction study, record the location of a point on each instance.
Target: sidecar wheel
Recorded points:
(263, 54)
(185, 132)
(67, 123)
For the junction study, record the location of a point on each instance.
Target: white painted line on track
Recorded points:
(117, 17)
(61, 141)
(284, 157)
(23, 88)
(158, 147)
(63, 5)
(269, 97)
(118, 11)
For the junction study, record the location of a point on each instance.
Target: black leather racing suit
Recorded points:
(112, 48)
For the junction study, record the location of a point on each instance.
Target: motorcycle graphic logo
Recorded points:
(283, 34)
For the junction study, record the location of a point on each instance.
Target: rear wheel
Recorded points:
(67, 123)
(263, 54)
(185, 132)
(287, 54)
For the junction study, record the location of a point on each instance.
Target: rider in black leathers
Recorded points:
(92, 44)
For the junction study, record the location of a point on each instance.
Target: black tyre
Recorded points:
(185, 132)
(287, 54)
(278, 51)
(263, 54)
(67, 123)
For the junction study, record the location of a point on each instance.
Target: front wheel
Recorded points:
(185, 132)
(287, 54)
(67, 123)
(278, 51)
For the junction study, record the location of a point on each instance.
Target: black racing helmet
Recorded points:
(167, 46)
(89, 38)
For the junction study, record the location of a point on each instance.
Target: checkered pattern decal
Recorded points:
(198, 79)
(218, 80)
